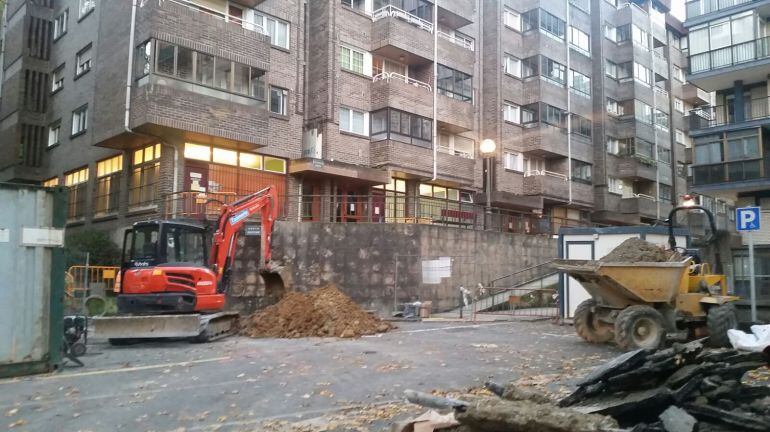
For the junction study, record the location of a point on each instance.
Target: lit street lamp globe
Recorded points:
(487, 146)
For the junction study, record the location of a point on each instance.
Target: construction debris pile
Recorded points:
(637, 250)
(685, 388)
(323, 312)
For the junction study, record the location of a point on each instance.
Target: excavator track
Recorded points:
(217, 326)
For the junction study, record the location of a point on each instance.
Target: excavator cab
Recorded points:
(149, 244)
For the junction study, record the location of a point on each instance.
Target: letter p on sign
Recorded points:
(747, 219)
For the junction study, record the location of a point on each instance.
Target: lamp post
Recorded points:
(487, 149)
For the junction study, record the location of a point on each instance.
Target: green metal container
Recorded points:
(32, 221)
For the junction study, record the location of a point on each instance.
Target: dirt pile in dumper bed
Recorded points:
(638, 250)
(323, 312)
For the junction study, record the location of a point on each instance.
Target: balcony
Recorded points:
(456, 113)
(457, 52)
(720, 68)
(544, 140)
(756, 110)
(637, 168)
(546, 183)
(390, 89)
(397, 33)
(641, 204)
(694, 95)
(418, 161)
(729, 172)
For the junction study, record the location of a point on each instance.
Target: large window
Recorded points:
(445, 205)
(513, 161)
(581, 125)
(456, 145)
(512, 19)
(395, 200)
(107, 193)
(579, 40)
(401, 126)
(580, 83)
(615, 108)
(60, 24)
(455, 84)
(77, 181)
(641, 37)
(722, 33)
(581, 172)
(352, 59)
(512, 66)
(552, 70)
(543, 113)
(54, 131)
(661, 120)
(642, 112)
(743, 145)
(276, 28)
(354, 121)
(642, 74)
(188, 65)
(664, 155)
(85, 6)
(57, 79)
(383, 65)
(145, 171)
(664, 192)
(549, 24)
(511, 113)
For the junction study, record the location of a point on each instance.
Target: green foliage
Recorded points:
(98, 244)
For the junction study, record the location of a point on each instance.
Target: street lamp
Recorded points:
(487, 149)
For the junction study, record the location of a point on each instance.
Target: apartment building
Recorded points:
(357, 110)
(729, 55)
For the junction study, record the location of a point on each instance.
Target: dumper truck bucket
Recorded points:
(622, 284)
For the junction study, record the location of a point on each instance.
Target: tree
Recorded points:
(97, 244)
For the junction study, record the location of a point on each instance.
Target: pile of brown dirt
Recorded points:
(638, 250)
(323, 312)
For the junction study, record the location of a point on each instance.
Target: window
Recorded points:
(53, 133)
(60, 24)
(664, 192)
(743, 145)
(681, 169)
(640, 37)
(85, 6)
(529, 114)
(277, 29)
(352, 60)
(108, 185)
(623, 33)
(613, 145)
(615, 185)
(80, 120)
(664, 155)
(581, 125)
(183, 245)
(614, 107)
(679, 105)
(610, 69)
(354, 121)
(455, 84)
(553, 115)
(642, 74)
(83, 61)
(552, 70)
(401, 126)
(51, 182)
(511, 113)
(142, 65)
(145, 172)
(678, 73)
(278, 100)
(530, 67)
(57, 79)
(77, 182)
(679, 136)
(579, 40)
(580, 83)
(618, 71)
(456, 145)
(355, 4)
(275, 165)
(383, 65)
(708, 149)
(661, 119)
(552, 24)
(513, 161)
(581, 171)
(512, 19)
(512, 66)
(642, 112)
(643, 149)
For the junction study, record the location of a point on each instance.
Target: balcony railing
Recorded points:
(392, 11)
(239, 21)
(643, 196)
(463, 42)
(720, 115)
(532, 173)
(660, 91)
(390, 76)
(756, 49)
(735, 171)
(701, 7)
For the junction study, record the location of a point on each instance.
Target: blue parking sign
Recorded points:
(747, 219)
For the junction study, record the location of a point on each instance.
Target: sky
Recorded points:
(677, 9)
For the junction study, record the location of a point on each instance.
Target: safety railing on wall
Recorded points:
(393, 76)
(392, 11)
(463, 42)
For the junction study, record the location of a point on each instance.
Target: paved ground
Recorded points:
(241, 384)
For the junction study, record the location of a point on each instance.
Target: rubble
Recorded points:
(685, 388)
(637, 250)
(323, 312)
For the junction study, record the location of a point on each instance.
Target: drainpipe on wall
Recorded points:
(435, 91)
(569, 111)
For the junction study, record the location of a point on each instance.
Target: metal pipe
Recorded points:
(435, 91)
(130, 68)
(569, 112)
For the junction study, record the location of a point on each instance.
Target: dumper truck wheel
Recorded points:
(587, 324)
(718, 320)
(639, 326)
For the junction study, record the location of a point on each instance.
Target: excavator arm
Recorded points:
(231, 219)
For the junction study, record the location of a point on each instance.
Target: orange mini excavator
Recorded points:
(171, 284)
